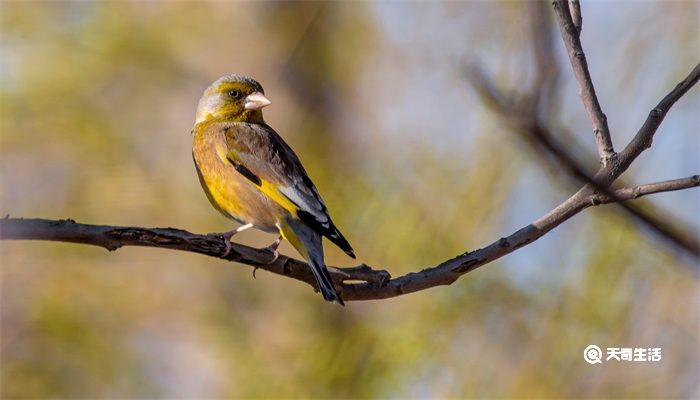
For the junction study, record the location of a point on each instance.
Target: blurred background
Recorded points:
(97, 102)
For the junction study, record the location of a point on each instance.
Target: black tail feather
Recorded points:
(325, 283)
(336, 237)
(308, 242)
(330, 231)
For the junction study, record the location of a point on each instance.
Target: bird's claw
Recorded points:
(273, 248)
(227, 241)
(228, 235)
(275, 254)
(229, 246)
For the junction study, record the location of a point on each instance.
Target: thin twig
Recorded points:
(524, 121)
(682, 238)
(525, 117)
(570, 34)
(575, 11)
(546, 68)
(645, 135)
(636, 192)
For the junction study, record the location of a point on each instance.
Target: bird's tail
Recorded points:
(308, 244)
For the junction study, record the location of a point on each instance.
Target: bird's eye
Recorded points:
(235, 94)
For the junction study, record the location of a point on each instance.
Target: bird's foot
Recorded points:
(275, 254)
(273, 248)
(228, 235)
(227, 241)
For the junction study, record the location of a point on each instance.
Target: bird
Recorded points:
(251, 175)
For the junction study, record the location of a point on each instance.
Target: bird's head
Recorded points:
(232, 98)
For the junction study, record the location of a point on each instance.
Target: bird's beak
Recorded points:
(256, 101)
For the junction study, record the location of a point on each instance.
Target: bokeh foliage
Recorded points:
(97, 102)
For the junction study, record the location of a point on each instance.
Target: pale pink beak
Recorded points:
(256, 101)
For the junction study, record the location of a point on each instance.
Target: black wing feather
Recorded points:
(261, 152)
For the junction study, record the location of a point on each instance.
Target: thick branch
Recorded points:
(570, 30)
(373, 284)
(114, 237)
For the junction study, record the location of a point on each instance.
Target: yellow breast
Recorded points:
(227, 190)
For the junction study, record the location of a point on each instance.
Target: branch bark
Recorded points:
(650, 188)
(115, 237)
(355, 283)
(645, 135)
(570, 31)
(575, 11)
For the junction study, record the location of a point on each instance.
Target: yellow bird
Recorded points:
(251, 175)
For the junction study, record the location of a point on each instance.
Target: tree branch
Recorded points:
(675, 234)
(575, 11)
(363, 282)
(373, 284)
(525, 115)
(114, 237)
(570, 30)
(523, 118)
(645, 135)
(643, 190)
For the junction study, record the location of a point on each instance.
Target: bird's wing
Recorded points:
(258, 153)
